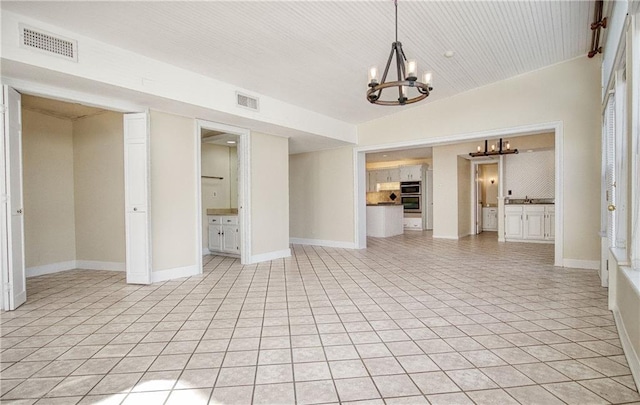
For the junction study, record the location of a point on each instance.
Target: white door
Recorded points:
(137, 214)
(12, 221)
(429, 199)
(478, 201)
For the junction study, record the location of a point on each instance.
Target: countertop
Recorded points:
(385, 205)
(222, 211)
(521, 201)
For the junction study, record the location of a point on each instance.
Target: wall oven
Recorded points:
(410, 187)
(411, 202)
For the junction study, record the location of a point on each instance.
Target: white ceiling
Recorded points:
(394, 155)
(59, 109)
(316, 53)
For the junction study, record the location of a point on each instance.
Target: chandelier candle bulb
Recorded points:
(508, 146)
(412, 70)
(493, 147)
(373, 75)
(479, 148)
(427, 79)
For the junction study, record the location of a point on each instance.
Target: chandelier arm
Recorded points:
(400, 77)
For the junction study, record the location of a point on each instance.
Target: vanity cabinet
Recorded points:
(489, 218)
(529, 223)
(224, 234)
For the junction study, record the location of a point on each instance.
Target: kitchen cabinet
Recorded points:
(411, 173)
(489, 218)
(387, 175)
(384, 220)
(224, 234)
(529, 223)
(513, 225)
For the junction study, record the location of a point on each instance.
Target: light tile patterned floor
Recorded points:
(410, 320)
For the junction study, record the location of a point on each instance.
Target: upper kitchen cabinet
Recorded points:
(387, 175)
(411, 173)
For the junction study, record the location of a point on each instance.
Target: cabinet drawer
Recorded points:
(229, 220)
(214, 220)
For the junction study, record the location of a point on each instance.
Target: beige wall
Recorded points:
(445, 195)
(173, 191)
(98, 161)
(464, 197)
(567, 92)
(396, 163)
(321, 197)
(233, 177)
(269, 191)
(47, 152)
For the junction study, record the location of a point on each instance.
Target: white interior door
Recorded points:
(478, 201)
(14, 280)
(137, 213)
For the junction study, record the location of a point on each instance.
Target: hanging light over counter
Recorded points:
(502, 149)
(406, 77)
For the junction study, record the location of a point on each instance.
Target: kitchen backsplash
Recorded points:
(382, 196)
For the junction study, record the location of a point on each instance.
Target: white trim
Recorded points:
(263, 257)
(320, 242)
(176, 272)
(50, 268)
(446, 237)
(556, 126)
(99, 265)
(581, 264)
(205, 251)
(633, 358)
(198, 170)
(73, 265)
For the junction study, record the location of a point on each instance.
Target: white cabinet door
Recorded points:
(136, 196)
(405, 173)
(215, 237)
(12, 221)
(550, 223)
(230, 239)
(513, 228)
(534, 222)
(394, 174)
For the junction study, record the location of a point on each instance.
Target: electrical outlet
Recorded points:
(215, 194)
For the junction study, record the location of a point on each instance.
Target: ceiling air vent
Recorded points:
(242, 100)
(47, 42)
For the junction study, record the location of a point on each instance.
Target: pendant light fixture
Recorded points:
(406, 77)
(503, 149)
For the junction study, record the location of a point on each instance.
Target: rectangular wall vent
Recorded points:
(47, 42)
(249, 102)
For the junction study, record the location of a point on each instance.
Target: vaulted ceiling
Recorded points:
(316, 53)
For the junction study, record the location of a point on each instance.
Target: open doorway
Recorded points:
(486, 179)
(73, 187)
(223, 190)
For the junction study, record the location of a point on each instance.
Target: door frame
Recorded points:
(244, 185)
(474, 191)
(57, 93)
(359, 162)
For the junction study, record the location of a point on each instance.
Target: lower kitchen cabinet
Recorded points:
(224, 234)
(530, 223)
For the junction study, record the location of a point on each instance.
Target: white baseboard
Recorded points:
(99, 265)
(633, 358)
(320, 242)
(279, 254)
(74, 264)
(581, 264)
(445, 237)
(205, 251)
(50, 268)
(177, 272)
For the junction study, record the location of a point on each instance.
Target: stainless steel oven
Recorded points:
(410, 187)
(411, 202)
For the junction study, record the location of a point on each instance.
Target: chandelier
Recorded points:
(503, 149)
(406, 75)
